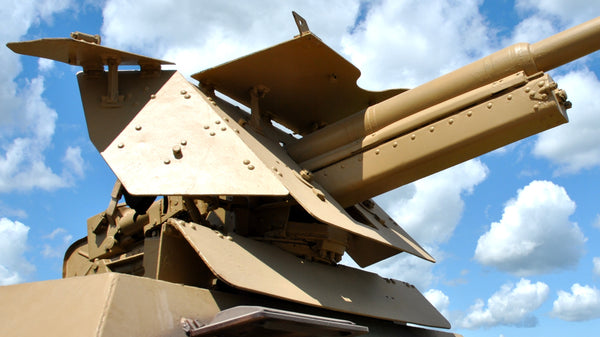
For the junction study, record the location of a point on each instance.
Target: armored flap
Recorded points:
(178, 145)
(376, 238)
(262, 268)
(79, 53)
(308, 84)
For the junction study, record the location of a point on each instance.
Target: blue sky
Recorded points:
(515, 232)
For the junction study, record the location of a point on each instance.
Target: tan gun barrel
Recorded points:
(542, 56)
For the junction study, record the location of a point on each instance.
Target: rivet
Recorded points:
(183, 92)
(138, 127)
(469, 113)
(212, 133)
(250, 167)
(489, 105)
(509, 97)
(274, 169)
(227, 120)
(527, 89)
(120, 145)
(220, 235)
(377, 151)
(413, 136)
(217, 122)
(229, 238)
(214, 103)
(541, 84)
(167, 161)
(544, 96)
(532, 94)
(246, 161)
(206, 127)
(186, 96)
(177, 150)
(280, 174)
(395, 144)
(450, 121)
(210, 98)
(223, 128)
(342, 166)
(536, 107)
(184, 142)
(431, 129)
(153, 96)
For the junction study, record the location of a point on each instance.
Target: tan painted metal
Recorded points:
(302, 94)
(248, 214)
(178, 145)
(383, 240)
(262, 268)
(114, 304)
(542, 56)
(491, 124)
(83, 53)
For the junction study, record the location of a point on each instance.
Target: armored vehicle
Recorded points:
(232, 225)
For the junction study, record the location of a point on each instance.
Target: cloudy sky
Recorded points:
(516, 232)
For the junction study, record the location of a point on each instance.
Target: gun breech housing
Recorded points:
(509, 69)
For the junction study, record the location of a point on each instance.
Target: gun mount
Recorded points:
(249, 215)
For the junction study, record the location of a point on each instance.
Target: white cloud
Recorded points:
(532, 29)
(201, 34)
(6, 211)
(596, 269)
(14, 267)
(582, 304)
(406, 43)
(559, 145)
(569, 12)
(407, 268)
(534, 235)
(53, 249)
(27, 123)
(511, 305)
(439, 300)
(430, 208)
(74, 163)
(45, 65)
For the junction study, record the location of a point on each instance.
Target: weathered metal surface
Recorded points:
(80, 53)
(309, 84)
(262, 268)
(178, 145)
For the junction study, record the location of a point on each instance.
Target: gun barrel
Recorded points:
(542, 56)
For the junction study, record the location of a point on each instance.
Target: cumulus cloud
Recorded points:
(512, 305)
(14, 267)
(439, 300)
(406, 43)
(568, 12)
(27, 123)
(201, 34)
(535, 234)
(430, 208)
(581, 304)
(560, 145)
